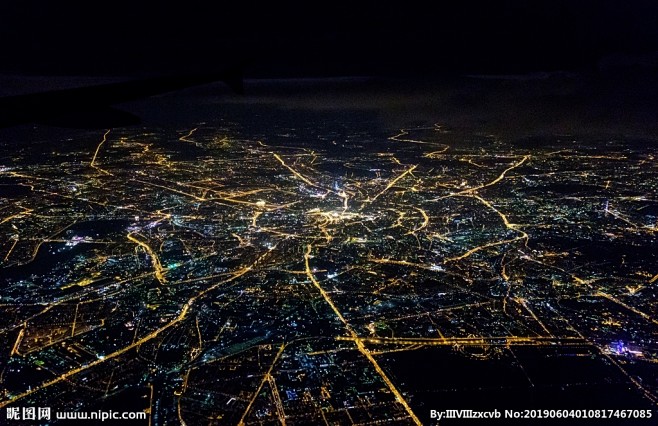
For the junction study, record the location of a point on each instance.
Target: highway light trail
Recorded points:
(25, 211)
(359, 343)
(185, 138)
(13, 245)
(266, 378)
(423, 225)
(158, 271)
(294, 172)
(391, 184)
(498, 179)
(630, 308)
(93, 160)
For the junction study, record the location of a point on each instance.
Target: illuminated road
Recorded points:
(266, 378)
(158, 271)
(93, 160)
(357, 340)
(406, 242)
(186, 137)
(474, 341)
(391, 184)
(295, 172)
(150, 336)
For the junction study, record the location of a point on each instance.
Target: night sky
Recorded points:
(276, 39)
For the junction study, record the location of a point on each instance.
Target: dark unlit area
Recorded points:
(513, 107)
